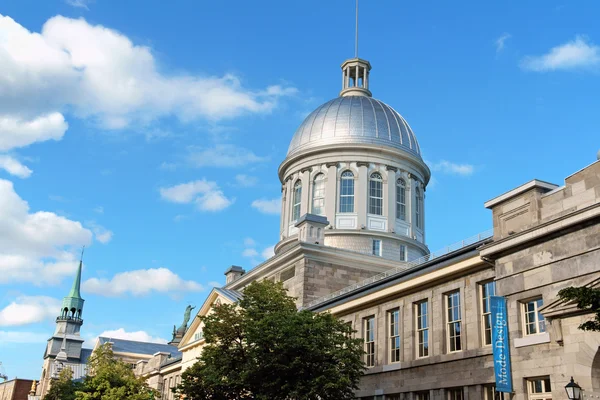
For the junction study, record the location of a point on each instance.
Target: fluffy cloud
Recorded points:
(222, 155)
(246, 180)
(29, 309)
(268, 252)
(14, 167)
(99, 74)
(101, 234)
(267, 206)
(249, 253)
(451, 168)
(140, 282)
(36, 247)
(10, 337)
(578, 53)
(205, 194)
(500, 42)
(138, 336)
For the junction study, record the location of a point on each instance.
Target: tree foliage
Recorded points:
(263, 348)
(587, 298)
(64, 388)
(107, 379)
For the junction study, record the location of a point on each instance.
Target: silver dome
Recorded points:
(354, 120)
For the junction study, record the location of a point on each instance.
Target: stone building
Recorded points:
(15, 389)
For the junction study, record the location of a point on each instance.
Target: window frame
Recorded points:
(394, 336)
(319, 179)
(401, 199)
(403, 256)
(296, 200)
(539, 320)
(418, 208)
(543, 395)
(369, 337)
(451, 394)
(347, 177)
(375, 186)
(422, 347)
(454, 342)
(422, 395)
(485, 310)
(379, 251)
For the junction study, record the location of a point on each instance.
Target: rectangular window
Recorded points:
(486, 290)
(376, 194)
(347, 192)
(418, 206)
(539, 389)
(453, 327)
(392, 397)
(422, 339)
(489, 393)
(394, 318)
(422, 396)
(455, 394)
(377, 247)
(401, 201)
(533, 319)
(402, 252)
(369, 336)
(198, 335)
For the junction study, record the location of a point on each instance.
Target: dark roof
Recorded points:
(232, 295)
(235, 268)
(319, 219)
(171, 360)
(85, 354)
(131, 346)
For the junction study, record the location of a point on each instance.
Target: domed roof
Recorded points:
(354, 120)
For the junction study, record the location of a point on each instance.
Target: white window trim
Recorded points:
(403, 253)
(449, 322)
(536, 316)
(369, 344)
(380, 250)
(380, 181)
(342, 178)
(484, 315)
(400, 188)
(319, 179)
(297, 185)
(419, 330)
(392, 336)
(538, 396)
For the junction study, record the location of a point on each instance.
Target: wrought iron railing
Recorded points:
(405, 266)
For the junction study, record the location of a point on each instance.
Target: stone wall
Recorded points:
(16, 389)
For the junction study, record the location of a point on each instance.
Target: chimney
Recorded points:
(311, 228)
(233, 273)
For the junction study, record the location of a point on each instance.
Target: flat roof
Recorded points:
(518, 190)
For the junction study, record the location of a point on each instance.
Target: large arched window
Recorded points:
(347, 192)
(401, 199)
(318, 199)
(297, 199)
(418, 208)
(376, 194)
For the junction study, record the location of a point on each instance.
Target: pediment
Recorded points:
(216, 297)
(561, 308)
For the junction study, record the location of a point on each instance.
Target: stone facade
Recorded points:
(16, 389)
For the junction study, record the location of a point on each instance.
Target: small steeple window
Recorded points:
(318, 200)
(297, 200)
(376, 194)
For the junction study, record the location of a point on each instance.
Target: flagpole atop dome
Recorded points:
(356, 38)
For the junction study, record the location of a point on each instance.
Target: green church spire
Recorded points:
(72, 305)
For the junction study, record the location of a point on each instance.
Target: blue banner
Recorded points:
(500, 344)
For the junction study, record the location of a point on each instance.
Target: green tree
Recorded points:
(112, 379)
(263, 348)
(64, 387)
(587, 298)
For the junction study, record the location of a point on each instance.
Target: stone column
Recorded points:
(306, 191)
(361, 193)
(331, 193)
(285, 216)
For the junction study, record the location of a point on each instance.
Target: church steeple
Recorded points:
(72, 305)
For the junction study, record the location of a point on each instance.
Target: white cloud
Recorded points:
(267, 206)
(29, 309)
(14, 167)
(451, 168)
(249, 242)
(205, 194)
(10, 337)
(99, 210)
(79, 3)
(249, 253)
(500, 42)
(138, 336)
(17, 132)
(36, 247)
(101, 234)
(223, 155)
(103, 75)
(246, 180)
(578, 53)
(215, 284)
(141, 282)
(268, 252)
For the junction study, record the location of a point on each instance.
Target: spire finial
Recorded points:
(356, 38)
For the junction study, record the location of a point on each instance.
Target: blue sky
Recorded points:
(152, 133)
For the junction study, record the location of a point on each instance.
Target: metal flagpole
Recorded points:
(356, 39)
